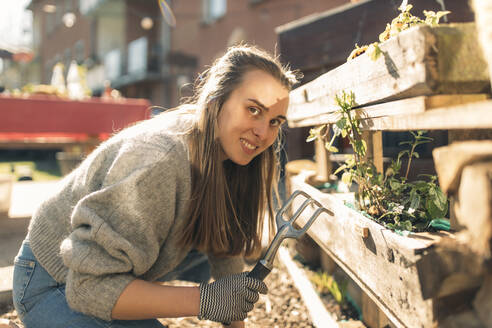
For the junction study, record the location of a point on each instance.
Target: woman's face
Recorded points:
(250, 118)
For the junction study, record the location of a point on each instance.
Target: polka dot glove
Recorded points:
(230, 298)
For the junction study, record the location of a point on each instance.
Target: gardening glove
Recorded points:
(230, 298)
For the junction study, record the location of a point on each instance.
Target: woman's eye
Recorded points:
(275, 122)
(254, 110)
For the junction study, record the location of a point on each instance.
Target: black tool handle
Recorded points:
(259, 271)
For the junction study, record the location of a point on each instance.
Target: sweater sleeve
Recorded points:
(117, 230)
(223, 266)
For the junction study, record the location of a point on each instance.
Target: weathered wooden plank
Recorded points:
(483, 302)
(383, 264)
(407, 106)
(464, 135)
(483, 17)
(373, 316)
(323, 163)
(475, 196)
(476, 115)
(466, 319)
(374, 153)
(420, 61)
(450, 161)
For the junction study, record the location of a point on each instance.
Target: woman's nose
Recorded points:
(260, 130)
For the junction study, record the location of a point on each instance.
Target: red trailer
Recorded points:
(41, 121)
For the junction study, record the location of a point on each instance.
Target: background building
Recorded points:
(130, 44)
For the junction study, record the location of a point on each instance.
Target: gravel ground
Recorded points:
(281, 307)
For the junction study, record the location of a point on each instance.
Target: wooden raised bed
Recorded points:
(400, 274)
(428, 78)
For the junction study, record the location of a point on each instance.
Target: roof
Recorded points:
(16, 53)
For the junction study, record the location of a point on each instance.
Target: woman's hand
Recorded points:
(230, 298)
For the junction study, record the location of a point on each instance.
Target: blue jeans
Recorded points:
(40, 300)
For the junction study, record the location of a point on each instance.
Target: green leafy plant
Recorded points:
(389, 198)
(403, 21)
(325, 283)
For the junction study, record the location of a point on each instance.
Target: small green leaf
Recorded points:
(414, 199)
(395, 184)
(440, 200)
(340, 168)
(374, 51)
(341, 123)
(421, 186)
(347, 178)
(350, 160)
(315, 133)
(406, 225)
(311, 137)
(402, 153)
(433, 210)
(335, 291)
(360, 147)
(329, 146)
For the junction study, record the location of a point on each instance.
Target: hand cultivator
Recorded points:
(285, 229)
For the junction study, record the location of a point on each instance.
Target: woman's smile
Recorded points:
(250, 148)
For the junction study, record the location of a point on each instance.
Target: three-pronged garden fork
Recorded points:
(285, 229)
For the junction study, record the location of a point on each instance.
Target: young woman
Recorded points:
(196, 178)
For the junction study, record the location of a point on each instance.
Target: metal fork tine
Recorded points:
(279, 217)
(299, 210)
(313, 217)
(292, 232)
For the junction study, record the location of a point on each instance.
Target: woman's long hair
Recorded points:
(229, 201)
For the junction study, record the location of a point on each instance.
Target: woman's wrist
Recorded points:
(236, 324)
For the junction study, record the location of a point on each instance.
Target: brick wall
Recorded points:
(256, 22)
(57, 40)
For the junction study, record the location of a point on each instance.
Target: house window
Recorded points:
(48, 68)
(79, 51)
(58, 14)
(86, 6)
(112, 64)
(67, 59)
(49, 20)
(137, 55)
(213, 10)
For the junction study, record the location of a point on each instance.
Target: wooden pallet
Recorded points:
(421, 61)
(430, 79)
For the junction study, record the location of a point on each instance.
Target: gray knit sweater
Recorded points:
(117, 216)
